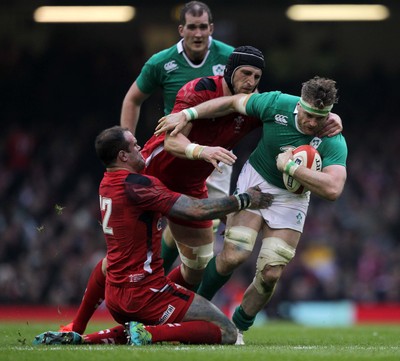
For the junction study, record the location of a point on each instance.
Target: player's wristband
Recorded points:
(190, 114)
(193, 151)
(291, 167)
(201, 148)
(190, 149)
(243, 200)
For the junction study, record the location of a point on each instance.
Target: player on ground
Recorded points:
(132, 206)
(288, 121)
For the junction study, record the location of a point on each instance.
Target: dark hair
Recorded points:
(109, 142)
(195, 8)
(242, 56)
(319, 92)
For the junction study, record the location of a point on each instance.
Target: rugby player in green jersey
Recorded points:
(288, 121)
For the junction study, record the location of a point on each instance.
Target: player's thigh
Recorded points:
(240, 236)
(245, 218)
(191, 236)
(290, 236)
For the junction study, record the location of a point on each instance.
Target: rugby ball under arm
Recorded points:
(307, 156)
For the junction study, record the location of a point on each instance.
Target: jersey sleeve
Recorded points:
(148, 79)
(152, 144)
(334, 151)
(266, 106)
(149, 193)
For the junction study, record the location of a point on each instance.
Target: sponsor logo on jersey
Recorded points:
(281, 119)
(238, 121)
(166, 315)
(218, 69)
(287, 147)
(136, 277)
(316, 142)
(170, 66)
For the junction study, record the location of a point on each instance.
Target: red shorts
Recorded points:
(192, 224)
(148, 305)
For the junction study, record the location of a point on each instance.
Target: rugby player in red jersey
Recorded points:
(132, 206)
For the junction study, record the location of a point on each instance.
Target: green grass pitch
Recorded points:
(272, 342)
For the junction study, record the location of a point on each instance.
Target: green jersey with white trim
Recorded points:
(170, 69)
(279, 116)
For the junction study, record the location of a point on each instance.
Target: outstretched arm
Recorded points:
(211, 208)
(210, 109)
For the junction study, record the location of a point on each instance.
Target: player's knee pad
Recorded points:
(196, 258)
(274, 252)
(242, 237)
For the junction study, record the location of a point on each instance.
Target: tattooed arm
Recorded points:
(190, 208)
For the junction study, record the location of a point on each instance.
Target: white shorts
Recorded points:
(219, 184)
(288, 210)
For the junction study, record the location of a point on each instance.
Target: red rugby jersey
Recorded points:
(132, 206)
(189, 176)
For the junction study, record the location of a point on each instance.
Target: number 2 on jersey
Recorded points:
(106, 206)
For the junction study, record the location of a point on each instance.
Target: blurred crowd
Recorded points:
(53, 106)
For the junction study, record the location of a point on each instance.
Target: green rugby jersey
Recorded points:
(278, 114)
(170, 69)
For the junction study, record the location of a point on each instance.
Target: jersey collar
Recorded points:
(295, 119)
(180, 44)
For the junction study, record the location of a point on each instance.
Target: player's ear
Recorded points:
(211, 28)
(180, 30)
(122, 156)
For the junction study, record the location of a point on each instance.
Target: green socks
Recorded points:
(242, 321)
(212, 281)
(169, 255)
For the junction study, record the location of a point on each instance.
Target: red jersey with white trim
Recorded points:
(189, 176)
(132, 206)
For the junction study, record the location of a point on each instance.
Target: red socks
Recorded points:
(93, 297)
(192, 332)
(176, 276)
(115, 335)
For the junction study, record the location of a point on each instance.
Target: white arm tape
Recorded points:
(189, 150)
(242, 104)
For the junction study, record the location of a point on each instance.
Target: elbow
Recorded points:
(333, 193)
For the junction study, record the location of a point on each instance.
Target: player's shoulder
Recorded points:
(338, 141)
(221, 48)
(277, 97)
(210, 83)
(163, 55)
(138, 179)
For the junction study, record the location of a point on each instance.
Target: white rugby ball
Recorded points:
(307, 156)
